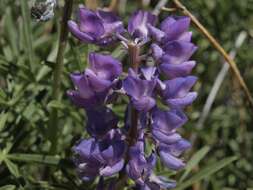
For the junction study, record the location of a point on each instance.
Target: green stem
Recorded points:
(57, 74)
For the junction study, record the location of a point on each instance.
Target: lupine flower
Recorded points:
(140, 92)
(172, 29)
(139, 167)
(92, 86)
(165, 123)
(99, 127)
(109, 150)
(169, 153)
(138, 24)
(176, 93)
(97, 27)
(100, 157)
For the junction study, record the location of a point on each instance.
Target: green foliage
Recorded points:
(27, 56)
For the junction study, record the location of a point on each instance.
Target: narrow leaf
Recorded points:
(3, 119)
(12, 167)
(194, 161)
(205, 172)
(42, 159)
(8, 187)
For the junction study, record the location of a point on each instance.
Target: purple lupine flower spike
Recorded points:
(111, 148)
(96, 27)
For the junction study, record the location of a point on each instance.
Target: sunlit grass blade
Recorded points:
(195, 159)
(8, 187)
(206, 172)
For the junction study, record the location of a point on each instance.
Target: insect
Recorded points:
(43, 10)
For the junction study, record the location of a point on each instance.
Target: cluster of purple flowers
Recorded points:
(158, 77)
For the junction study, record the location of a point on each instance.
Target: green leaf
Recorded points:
(13, 168)
(207, 171)
(27, 31)
(3, 119)
(55, 104)
(8, 187)
(38, 158)
(194, 161)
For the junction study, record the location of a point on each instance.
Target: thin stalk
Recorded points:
(134, 52)
(218, 47)
(57, 73)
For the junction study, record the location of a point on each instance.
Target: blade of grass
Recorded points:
(37, 158)
(206, 172)
(27, 31)
(194, 161)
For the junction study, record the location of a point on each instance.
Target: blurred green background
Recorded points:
(28, 51)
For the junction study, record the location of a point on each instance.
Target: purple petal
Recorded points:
(178, 52)
(138, 23)
(97, 84)
(179, 147)
(148, 72)
(177, 70)
(157, 51)
(99, 127)
(138, 88)
(179, 87)
(145, 103)
(107, 154)
(164, 137)
(157, 34)
(105, 66)
(79, 101)
(182, 102)
(82, 84)
(90, 23)
(110, 170)
(174, 28)
(85, 148)
(82, 36)
(171, 161)
(167, 121)
(111, 22)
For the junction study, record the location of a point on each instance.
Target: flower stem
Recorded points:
(57, 74)
(134, 57)
(218, 47)
(134, 52)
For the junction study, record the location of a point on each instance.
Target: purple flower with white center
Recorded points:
(97, 27)
(140, 92)
(92, 86)
(100, 157)
(113, 149)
